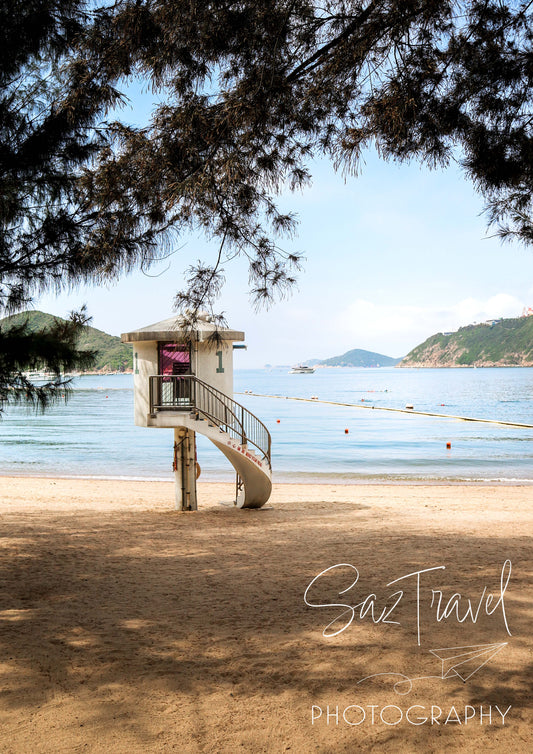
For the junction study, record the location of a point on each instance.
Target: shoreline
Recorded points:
(312, 482)
(125, 496)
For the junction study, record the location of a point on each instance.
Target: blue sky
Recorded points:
(392, 256)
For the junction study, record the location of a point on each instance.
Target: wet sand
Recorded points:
(128, 627)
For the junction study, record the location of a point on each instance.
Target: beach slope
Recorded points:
(128, 627)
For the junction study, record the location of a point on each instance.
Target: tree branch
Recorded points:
(317, 58)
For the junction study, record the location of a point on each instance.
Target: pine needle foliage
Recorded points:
(248, 93)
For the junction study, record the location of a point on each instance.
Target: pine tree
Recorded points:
(51, 109)
(253, 91)
(250, 92)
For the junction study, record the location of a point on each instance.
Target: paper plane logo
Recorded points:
(465, 661)
(461, 662)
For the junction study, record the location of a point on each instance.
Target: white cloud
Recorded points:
(396, 328)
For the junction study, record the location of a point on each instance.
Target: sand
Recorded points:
(128, 627)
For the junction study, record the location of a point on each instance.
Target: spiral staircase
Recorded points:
(186, 401)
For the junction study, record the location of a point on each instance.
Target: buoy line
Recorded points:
(395, 410)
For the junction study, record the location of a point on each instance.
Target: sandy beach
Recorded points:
(129, 627)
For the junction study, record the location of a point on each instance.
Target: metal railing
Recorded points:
(185, 392)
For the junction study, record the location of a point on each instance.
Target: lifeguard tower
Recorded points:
(183, 379)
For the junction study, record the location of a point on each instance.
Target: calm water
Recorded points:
(93, 434)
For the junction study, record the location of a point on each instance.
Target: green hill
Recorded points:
(359, 358)
(112, 354)
(505, 342)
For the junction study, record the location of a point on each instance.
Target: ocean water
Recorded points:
(93, 435)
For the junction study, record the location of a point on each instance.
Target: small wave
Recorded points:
(102, 390)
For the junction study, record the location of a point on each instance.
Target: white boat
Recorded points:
(302, 370)
(39, 376)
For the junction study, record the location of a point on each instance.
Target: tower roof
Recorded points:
(174, 328)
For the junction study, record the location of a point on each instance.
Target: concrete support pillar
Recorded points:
(185, 469)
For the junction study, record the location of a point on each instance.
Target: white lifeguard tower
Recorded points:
(183, 379)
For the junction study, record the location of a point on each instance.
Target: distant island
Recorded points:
(496, 343)
(112, 354)
(357, 357)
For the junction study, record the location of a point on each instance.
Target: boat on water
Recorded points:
(300, 369)
(38, 376)
(44, 376)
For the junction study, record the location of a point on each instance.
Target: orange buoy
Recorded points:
(448, 445)
(277, 421)
(345, 431)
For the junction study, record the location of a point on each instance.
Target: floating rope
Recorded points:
(395, 410)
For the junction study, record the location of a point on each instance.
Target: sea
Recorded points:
(92, 435)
